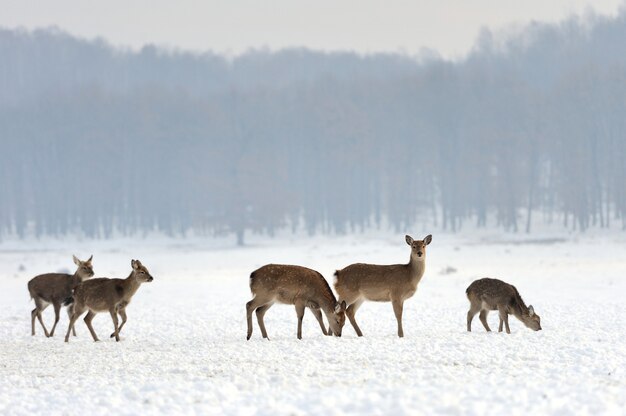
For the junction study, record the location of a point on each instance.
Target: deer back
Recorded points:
(286, 283)
(492, 292)
(51, 287)
(100, 294)
(384, 282)
(376, 282)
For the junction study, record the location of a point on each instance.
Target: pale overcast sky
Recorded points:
(232, 26)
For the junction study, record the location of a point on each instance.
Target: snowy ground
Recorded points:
(184, 349)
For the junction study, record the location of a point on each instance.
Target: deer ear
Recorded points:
(409, 239)
(531, 310)
(133, 264)
(340, 307)
(89, 260)
(428, 239)
(76, 261)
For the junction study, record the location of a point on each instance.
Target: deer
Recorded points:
(298, 286)
(56, 289)
(107, 295)
(394, 283)
(492, 294)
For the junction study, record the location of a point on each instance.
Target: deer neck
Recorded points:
(328, 308)
(131, 285)
(416, 268)
(75, 279)
(519, 309)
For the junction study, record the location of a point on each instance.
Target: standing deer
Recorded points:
(104, 294)
(294, 285)
(492, 294)
(393, 283)
(56, 289)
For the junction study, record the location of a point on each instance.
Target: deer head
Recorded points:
(85, 269)
(338, 318)
(141, 273)
(418, 247)
(531, 319)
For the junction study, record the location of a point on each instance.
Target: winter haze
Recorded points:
(98, 140)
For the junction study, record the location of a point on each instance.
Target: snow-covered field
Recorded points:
(184, 348)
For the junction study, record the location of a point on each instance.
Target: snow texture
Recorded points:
(184, 348)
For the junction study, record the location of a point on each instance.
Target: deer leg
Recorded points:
(504, 317)
(300, 313)
(76, 313)
(122, 313)
(318, 315)
(70, 310)
(500, 325)
(88, 318)
(33, 316)
(350, 312)
(397, 309)
(251, 307)
(40, 307)
(260, 313)
(483, 319)
(42, 325)
(57, 309)
(113, 313)
(470, 316)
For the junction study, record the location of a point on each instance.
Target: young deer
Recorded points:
(104, 294)
(394, 283)
(492, 294)
(55, 289)
(294, 285)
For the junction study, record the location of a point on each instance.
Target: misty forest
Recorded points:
(528, 129)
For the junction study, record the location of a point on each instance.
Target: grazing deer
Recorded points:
(104, 294)
(56, 289)
(393, 283)
(492, 294)
(294, 285)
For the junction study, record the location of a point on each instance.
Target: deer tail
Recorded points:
(252, 276)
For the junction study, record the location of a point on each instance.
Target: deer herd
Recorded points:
(278, 283)
(80, 293)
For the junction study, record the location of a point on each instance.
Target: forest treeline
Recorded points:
(98, 140)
